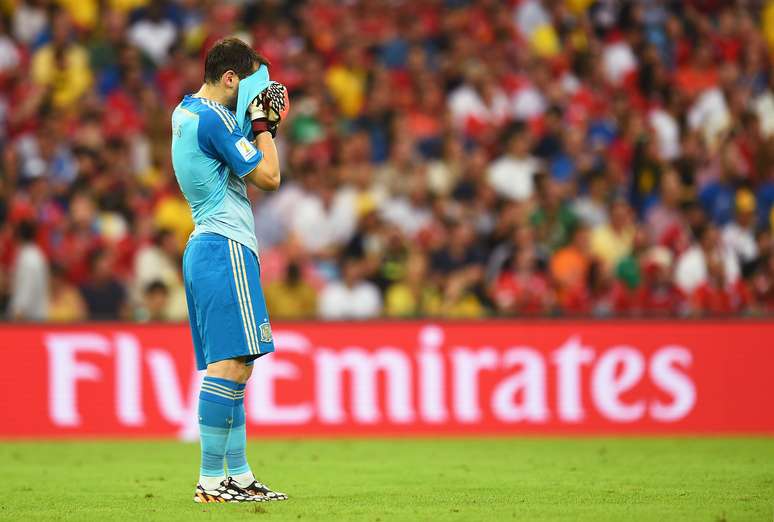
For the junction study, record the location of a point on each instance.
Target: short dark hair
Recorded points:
(155, 286)
(26, 230)
(231, 54)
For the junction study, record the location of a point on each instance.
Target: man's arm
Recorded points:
(265, 112)
(265, 175)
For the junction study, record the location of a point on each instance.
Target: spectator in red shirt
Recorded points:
(699, 74)
(522, 290)
(715, 296)
(658, 295)
(762, 286)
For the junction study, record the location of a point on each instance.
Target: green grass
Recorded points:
(629, 479)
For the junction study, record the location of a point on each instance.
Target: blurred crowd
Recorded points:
(445, 158)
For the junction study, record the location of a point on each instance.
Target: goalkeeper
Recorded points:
(215, 152)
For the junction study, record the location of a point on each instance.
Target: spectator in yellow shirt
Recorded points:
(412, 296)
(84, 13)
(62, 65)
(65, 303)
(291, 297)
(347, 82)
(613, 241)
(172, 212)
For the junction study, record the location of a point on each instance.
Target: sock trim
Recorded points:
(219, 394)
(220, 389)
(226, 389)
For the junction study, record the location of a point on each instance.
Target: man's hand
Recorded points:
(275, 100)
(260, 119)
(269, 108)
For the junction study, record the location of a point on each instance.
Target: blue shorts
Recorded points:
(226, 307)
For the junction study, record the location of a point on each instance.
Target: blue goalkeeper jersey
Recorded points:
(210, 156)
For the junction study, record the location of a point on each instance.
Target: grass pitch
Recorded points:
(730, 479)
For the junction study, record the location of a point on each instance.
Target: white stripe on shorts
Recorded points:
(251, 316)
(240, 296)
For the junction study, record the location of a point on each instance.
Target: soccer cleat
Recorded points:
(263, 492)
(228, 491)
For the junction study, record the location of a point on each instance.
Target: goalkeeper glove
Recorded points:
(268, 108)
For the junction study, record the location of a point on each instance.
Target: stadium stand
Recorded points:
(443, 158)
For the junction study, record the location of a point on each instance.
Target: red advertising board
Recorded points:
(385, 378)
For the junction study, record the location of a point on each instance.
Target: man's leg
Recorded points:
(236, 456)
(225, 335)
(222, 387)
(236, 448)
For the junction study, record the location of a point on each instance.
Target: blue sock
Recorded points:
(216, 416)
(236, 458)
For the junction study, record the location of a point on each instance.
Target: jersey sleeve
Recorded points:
(221, 138)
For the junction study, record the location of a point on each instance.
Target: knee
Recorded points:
(231, 369)
(248, 373)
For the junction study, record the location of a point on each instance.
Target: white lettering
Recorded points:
(530, 380)
(261, 402)
(607, 385)
(128, 380)
(363, 367)
(432, 385)
(671, 380)
(467, 365)
(569, 358)
(64, 371)
(169, 393)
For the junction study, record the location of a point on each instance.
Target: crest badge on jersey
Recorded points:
(246, 149)
(265, 333)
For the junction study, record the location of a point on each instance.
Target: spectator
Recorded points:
(65, 304)
(155, 303)
(653, 118)
(352, 297)
(613, 241)
(739, 235)
(460, 253)
(159, 261)
(29, 277)
(762, 288)
(570, 269)
(414, 295)
(512, 175)
(104, 294)
(9, 52)
(462, 296)
(664, 219)
(628, 270)
(691, 270)
(553, 219)
(658, 295)
(29, 21)
(502, 256)
(717, 197)
(410, 212)
(291, 297)
(592, 208)
(325, 218)
(716, 296)
(153, 33)
(522, 290)
(478, 103)
(62, 66)
(346, 81)
(607, 296)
